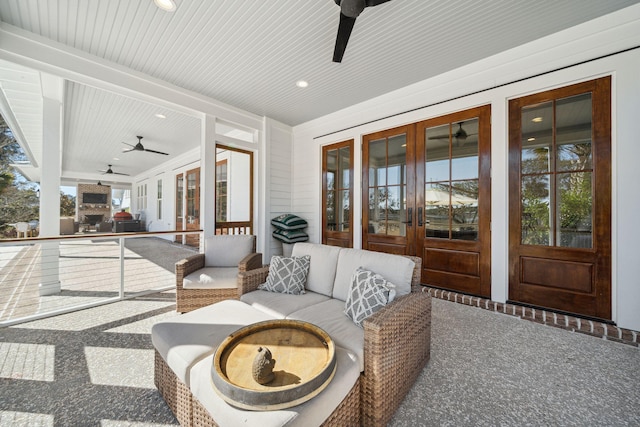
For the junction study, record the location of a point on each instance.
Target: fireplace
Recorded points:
(93, 219)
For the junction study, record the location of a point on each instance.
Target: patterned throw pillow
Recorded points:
(290, 236)
(287, 275)
(369, 292)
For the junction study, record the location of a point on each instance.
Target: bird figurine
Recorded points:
(263, 365)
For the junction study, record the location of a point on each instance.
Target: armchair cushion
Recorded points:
(227, 250)
(211, 278)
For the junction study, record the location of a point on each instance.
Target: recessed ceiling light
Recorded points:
(115, 158)
(531, 139)
(167, 5)
(302, 83)
(536, 119)
(160, 116)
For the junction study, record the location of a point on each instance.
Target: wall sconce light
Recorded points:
(38, 193)
(99, 183)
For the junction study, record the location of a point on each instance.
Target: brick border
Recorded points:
(574, 324)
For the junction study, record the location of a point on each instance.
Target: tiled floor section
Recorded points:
(95, 368)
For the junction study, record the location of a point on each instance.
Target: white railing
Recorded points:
(42, 277)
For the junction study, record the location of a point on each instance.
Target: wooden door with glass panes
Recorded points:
(388, 165)
(192, 198)
(560, 199)
(453, 170)
(337, 194)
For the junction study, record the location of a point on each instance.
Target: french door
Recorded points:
(426, 192)
(179, 206)
(560, 199)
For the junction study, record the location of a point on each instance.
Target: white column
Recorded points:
(50, 183)
(208, 176)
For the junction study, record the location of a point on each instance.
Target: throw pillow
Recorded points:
(369, 292)
(287, 275)
(288, 222)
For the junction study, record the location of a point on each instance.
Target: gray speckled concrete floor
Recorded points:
(95, 368)
(489, 369)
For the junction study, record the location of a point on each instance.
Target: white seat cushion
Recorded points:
(184, 340)
(329, 315)
(280, 305)
(227, 250)
(394, 268)
(311, 413)
(212, 278)
(322, 270)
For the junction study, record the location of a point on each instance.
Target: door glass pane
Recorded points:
(464, 210)
(437, 210)
(331, 211)
(332, 168)
(343, 210)
(397, 160)
(573, 133)
(537, 138)
(345, 167)
(378, 163)
(574, 199)
(535, 210)
(377, 207)
(396, 211)
(464, 151)
(437, 153)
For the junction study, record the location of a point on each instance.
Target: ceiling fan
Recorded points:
(460, 135)
(110, 171)
(349, 11)
(140, 147)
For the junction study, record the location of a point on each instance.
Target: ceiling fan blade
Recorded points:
(344, 32)
(371, 3)
(157, 152)
(125, 143)
(124, 150)
(118, 173)
(440, 137)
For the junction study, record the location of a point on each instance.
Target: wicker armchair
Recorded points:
(226, 256)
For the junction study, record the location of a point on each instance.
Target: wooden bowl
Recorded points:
(305, 364)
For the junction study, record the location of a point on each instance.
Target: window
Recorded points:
(159, 199)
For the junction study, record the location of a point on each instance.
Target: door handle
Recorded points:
(409, 221)
(420, 219)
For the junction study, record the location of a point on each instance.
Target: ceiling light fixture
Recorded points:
(166, 5)
(536, 119)
(531, 139)
(160, 116)
(302, 83)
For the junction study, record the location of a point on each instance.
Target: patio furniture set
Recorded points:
(370, 305)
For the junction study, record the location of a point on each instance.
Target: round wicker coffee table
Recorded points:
(305, 362)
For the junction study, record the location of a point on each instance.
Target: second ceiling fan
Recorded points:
(140, 147)
(349, 11)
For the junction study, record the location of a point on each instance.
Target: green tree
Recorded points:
(67, 205)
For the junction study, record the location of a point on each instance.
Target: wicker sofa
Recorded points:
(385, 355)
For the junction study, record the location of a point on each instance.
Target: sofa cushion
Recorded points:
(287, 275)
(212, 278)
(395, 268)
(310, 413)
(322, 270)
(185, 339)
(369, 292)
(227, 250)
(329, 315)
(280, 305)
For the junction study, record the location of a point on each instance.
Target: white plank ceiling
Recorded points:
(250, 54)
